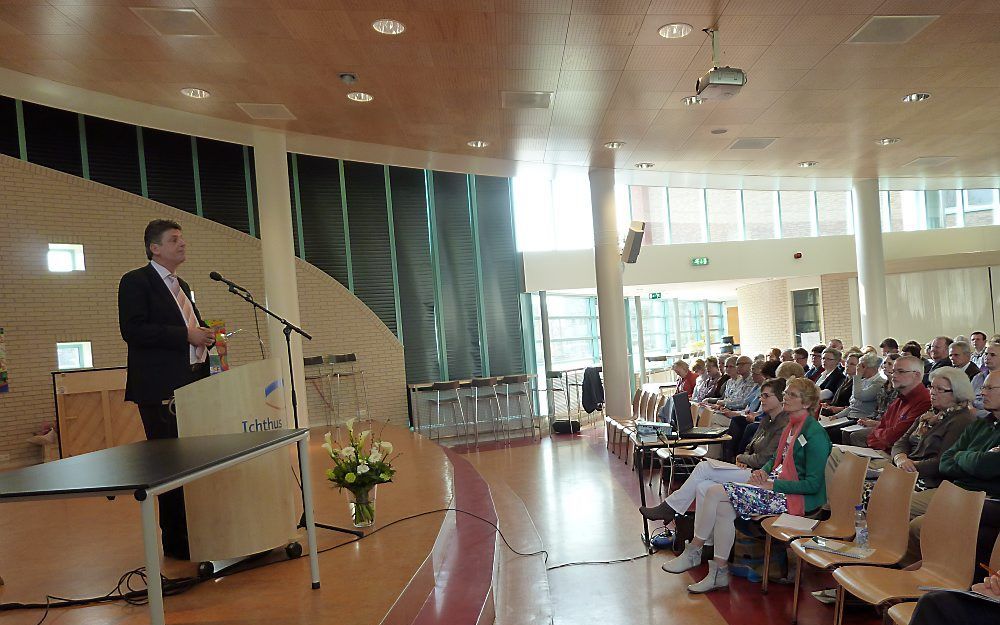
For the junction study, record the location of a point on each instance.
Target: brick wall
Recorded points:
(836, 299)
(39, 206)
(765, 316)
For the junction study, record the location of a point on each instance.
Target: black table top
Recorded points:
(138, 466)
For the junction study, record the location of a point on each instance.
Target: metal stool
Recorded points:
(457, 412)
(348, 360)
(517, 394)
(558, 382)
(484, 390)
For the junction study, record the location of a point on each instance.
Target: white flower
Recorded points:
(362, 469)
(350, 425)
(347, 453)
(387, 446)
(375, 456)
(364, 436)
(328, 444)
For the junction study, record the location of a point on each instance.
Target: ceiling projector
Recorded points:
(720, 83)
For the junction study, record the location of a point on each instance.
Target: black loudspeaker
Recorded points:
(566, 427)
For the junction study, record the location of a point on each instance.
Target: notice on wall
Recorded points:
(4, 383)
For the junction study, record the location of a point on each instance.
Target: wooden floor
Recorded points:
(564, 494)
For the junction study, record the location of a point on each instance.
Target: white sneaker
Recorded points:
(690, 558)
(718, 577)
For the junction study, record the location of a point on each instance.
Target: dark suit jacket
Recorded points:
(833, 381)
(152, 325)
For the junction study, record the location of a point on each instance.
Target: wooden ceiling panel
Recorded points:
(577, 116)
(684, 7)
(963, 29)
(751, 30)
(39, 19)
(533, 6)
(977, 6)
(661, 57)
(341, 55)
(629, 117)
(106, 20)
(806, 30)
(463, 55)
(912, 7)
(541, 117)
(762, 7)
(648, 80)
(733, 56)
(751, 98)
(590, 30)
(529, 80)
(16, 46)
(203, 49)
(567, 157)
(323, 25)
(588, 81)
(531, 56)
(271, 50)
(611, 7)
(535, 29)
(595, 57)
(639, 100)
(733, 116)
(820, 7)
(245, 22)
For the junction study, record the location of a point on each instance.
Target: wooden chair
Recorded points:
(844, 494)
(609, 421)
(902, 613)
(888, 530)
(947, 546)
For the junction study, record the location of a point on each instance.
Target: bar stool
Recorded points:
(485, 390)
(335, 375)
(455, 403)
(557, 383)
(315, 371)
(510, 391)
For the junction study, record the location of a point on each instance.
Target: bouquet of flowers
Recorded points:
(364, 462)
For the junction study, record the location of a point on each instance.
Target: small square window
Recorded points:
(74, 355)
(65, 257)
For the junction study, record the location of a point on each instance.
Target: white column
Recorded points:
(642, 345)
(610, 293)
(871, 262)
(543, 306)
(281, 294)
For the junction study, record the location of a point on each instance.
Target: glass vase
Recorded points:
(362, 506)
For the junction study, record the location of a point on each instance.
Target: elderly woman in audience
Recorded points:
(789, 370)
(761, 450)
(842, 396)
(792, 482)
(686, 379)
(832, 375)
(707, 380)
(739, 418)
(788, 355)
(919, 449)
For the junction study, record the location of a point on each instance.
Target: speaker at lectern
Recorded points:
(250, 507)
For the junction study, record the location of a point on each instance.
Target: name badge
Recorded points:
(802, 440)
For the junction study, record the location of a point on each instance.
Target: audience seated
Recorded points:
(737, 420)
(836, 344)
(979, 342)
(774, 354)
(960, 355)
(912, 348)
(686, 379)
(792, 482)
(991, 362)
(941, 606)
(937, 353)
(740, 388)
(889, 346)
(832, 375)
(801, 356)
(815, 363)
(865, 387)
(787, 355)
(789, 370)
(707, 380)
(728, 372)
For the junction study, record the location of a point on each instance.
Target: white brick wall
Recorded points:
(39, 206)
(765, 316)
(836, 297)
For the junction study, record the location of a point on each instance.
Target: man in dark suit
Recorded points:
(167, 348)
(960, 357)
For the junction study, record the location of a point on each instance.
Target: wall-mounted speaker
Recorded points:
(633, 242)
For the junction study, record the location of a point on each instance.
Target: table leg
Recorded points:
(307, 503)
(637, 458)
(151, 545)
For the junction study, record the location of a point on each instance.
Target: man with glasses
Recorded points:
(914, 400)
(816, 362)
(991, 362)
(740, 387)
(801, 356)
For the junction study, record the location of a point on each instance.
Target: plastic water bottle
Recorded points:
(860, 527)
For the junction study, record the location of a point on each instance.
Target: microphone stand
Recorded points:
(287, 330)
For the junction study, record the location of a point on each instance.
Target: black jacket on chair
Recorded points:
(153, 326)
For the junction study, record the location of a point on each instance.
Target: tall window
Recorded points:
(760, 209)
(687, 215)
(796, 214)
(806, 313)
(725, 215)
(649, 204)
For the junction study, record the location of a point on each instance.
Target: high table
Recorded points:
(149, 468)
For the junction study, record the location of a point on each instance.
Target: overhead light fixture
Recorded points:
(388, 26)
(888, 140)
(916, 97)
(196, 93)
(807, 164)
(675, 31)
(360, 96)
(614, 145)
(691, 100)
(644, 165)
(477, 143)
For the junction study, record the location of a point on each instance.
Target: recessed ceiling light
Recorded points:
(614, 145)
(477, 143)
(888, 140)
(644, 165)
(360, 96)
(675, 31)
(719, 131)
(388, 26)
(808, 164)
(691, 100)
(196, 93)
(916, 97)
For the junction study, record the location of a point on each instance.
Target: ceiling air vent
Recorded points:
(175, 22)
(266, 111)
(526, 99)
(891, 28)
(752, 143)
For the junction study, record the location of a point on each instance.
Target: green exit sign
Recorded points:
(700, 261)
(655, 295)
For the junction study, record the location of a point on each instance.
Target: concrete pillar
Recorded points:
(642, 345)
(871, 262)
(610, 293)
(281, 293)
(543, 305)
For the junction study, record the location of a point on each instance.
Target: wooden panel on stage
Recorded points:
(91, 410)
(249, 508)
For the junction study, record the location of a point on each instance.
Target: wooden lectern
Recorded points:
(251, 507)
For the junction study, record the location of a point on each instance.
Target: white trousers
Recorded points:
(714, 515)
(682, 498)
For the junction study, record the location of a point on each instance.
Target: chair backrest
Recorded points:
(948, 534)
(843, 492)
(643, 400)
(636, 396)
(995, 557)
(481, 382)
(312, 361)
(513, 379)
(889, 510)
(451, 385)
(336, 359)
(661, 401)
(651, 407)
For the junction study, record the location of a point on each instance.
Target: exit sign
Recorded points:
(655, 295)
(700, 261)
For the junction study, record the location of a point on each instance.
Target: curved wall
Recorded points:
(38, 308)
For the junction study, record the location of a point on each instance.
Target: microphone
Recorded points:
(215, 275)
